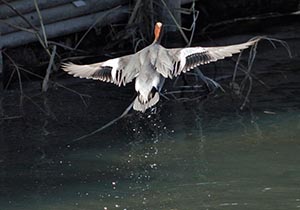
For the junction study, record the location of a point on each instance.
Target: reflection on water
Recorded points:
(209, 161)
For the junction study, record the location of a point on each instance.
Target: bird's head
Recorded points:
(158, 31)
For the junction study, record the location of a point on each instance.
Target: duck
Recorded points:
(150, 66)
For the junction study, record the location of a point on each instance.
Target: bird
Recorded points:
(150, 66)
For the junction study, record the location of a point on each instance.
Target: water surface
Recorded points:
(189, 156)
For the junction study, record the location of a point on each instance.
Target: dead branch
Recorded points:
(74, 91)
(60, 85)
(106, 125)
(236, 20)
(48, 71)
(16, 67)
(134, 12)
(100, 20)
(41, 24)
(17, 27)
(175, 21)
(66, 47)
(247, 70)
(34, 103)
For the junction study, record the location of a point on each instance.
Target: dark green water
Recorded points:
(190, 156)
(211, 161)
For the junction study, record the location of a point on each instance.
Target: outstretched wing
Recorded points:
(185, 59)
(119, 71)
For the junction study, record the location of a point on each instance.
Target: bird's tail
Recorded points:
(140, 105)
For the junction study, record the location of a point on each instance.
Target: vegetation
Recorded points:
(48, 54)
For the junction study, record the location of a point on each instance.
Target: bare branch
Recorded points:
(106, 125)
(48, 71)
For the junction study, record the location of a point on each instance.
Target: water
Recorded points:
(188, 156)
(216, 160)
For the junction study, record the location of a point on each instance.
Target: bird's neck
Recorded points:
(157, 34)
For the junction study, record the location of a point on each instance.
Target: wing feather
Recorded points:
(185, 59)
(119, 71)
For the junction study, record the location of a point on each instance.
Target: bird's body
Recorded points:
(151, 65)
(148, 82)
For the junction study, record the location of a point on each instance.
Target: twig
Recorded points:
(106, 125)
(190, 87)
(176, 23)
(243, 68)
(102, 18)
(18, 27)
(60, 85)
(180, 92)
(10, 79)
(193, 26)
(246, 100)
(38, 106)
(206, 80)
(259, 80)
(77, 57)
(65, 46)
(247, 70)
(236, 67)
(41, 23)
(44, 42)
(48, 71)
(134, 12)
(283, 43)
(1, 61)
(251, 58)
(248, 77)
(184, 99)
(19, 79)
(11, 118)
(265, 16)
(19, 14)
(35, 29)
(164, 96)
(74, 91)
(137, 44)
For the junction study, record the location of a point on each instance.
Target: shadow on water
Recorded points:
(191, 155)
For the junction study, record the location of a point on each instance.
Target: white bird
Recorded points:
(151, 65)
